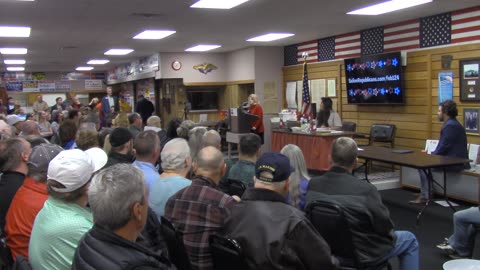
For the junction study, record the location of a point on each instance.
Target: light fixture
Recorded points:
(98, 62)
(219, 4)
(388, 6)
(14, 31)
(154, 34)
(15, 68)
(13, 50)
(270, 37)
(118, 51)
(14, 62)
(83, 68)
(202, 48)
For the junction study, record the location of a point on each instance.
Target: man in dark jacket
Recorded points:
(452, 143)
(119, 220)
(273, 234)
(145, 108)
(121, 140)
(369, 219)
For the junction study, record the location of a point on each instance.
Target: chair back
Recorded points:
(21, 263)
(235, 187)
(226, 253)
(176, 249)
(382, 133)
(6, 259)
(349, 126)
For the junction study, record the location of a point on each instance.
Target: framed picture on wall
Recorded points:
(470, 80)
(470, 120)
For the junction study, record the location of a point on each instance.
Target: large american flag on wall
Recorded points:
(310, 47)
(466, 25)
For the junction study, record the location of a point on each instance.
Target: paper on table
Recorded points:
(445, 204)
(473, 152)
(291, 94)
(430, 146)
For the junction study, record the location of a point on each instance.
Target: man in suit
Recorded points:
(452, 143)
(109, 101)
(145, 108)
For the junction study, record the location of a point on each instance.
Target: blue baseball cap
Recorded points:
(276, 164)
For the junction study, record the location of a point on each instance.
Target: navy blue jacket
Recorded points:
(453, 142)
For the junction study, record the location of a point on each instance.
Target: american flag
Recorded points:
(311, 47)
(290, 55)
(347, 45)
(326, 49)
(435, 30)
(306, 108)
(466, 25)
(372, 41)
(401, 36)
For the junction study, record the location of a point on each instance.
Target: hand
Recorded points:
(236, 198)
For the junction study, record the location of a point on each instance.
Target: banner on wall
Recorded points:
(14, 86)
(62, 86)
(445, 86)
(93, 85)
(46, 86)
(30, 86)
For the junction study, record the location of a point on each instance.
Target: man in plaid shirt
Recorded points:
(201, 209)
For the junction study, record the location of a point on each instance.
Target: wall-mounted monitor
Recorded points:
(375, 79)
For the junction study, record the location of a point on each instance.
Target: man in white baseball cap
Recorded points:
(64, 218)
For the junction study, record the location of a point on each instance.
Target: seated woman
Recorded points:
(299, 178)
(327, 117)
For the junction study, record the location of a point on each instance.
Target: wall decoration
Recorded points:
(470, 80)
(205, 68)
(445, 86)
(470, 120)
(176, 65)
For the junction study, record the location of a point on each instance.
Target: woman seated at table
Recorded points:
(327, 117)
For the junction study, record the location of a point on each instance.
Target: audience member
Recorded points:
(58, 105)
(299, 178)
(74, 115)
(195, 142)
(30, 127)
(67, 133)
(16, 122)
(278, 228)
(64, 218)
(10, 105)
(147, 150)
(121, 151)
(153, 123)
(5, 130)
(248, 152)
(35, 140)
(176, 164)
(120, 120)
(212, 138)
(184, 129)
(452, 143)
(102, 134)
(44, 124)
(91, 117)
(173, 125)
(200, 209)
(40, 105)
(118, 197)
(29, 199)
(14, 154)
(109, 101)
(327, 117)
(86, 139)
(145, 108)
(372, 229)
(135, 124)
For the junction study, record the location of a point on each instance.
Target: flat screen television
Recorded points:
(375, 79)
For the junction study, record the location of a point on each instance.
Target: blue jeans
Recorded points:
(424, 185)
(463, 236)
(406, 249)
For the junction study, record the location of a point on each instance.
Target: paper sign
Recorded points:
(30, 86)
(93, 85)
(291, 94)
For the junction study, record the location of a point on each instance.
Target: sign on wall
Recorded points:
(93, 85)
(30, 86)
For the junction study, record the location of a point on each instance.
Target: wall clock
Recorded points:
(176, 65)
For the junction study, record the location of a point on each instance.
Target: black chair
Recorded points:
(329, 220)
(226, 253)
(235, 187)
(21, 263)
(349, 126)
(176, 249)
(6, 260)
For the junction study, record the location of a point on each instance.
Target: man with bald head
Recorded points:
(212, 138)
(201, 209)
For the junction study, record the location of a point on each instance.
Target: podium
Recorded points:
(239, 124)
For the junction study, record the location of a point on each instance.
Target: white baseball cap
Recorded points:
(12, 119)
(74, 168)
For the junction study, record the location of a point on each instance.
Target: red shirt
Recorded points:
(26, 204)
(257, 124)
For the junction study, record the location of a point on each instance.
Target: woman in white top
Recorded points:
(327, 118)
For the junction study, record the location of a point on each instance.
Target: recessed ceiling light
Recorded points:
(154, 34)
(14, 62)
(83, 68)
(388, 6)
(270, 37)
(13, 31)
(220, 4)
(98, 62)
(15, 68)
(118, 51)
(13, 50)
(202, 48)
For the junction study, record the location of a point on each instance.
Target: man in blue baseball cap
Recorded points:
(273, 234)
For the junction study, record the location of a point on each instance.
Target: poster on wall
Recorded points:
(30, 86)
(470, 80)
(16, 86)
(93, 85)
(470, 120)
(445, 86)
(46, 86)
(62, 86)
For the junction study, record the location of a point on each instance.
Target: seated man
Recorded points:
(460, 243)
(64, 218)
(200, 209)
(273, 234)
(369, 219)
(118, 197)
(452, 143)
(248, 151)
(147, 150)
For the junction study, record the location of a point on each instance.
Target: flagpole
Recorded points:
(305, 56)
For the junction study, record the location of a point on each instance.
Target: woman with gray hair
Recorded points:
(299, 178)
(195, 140)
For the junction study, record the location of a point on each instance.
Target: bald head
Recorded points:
(210, 163)
(212, 138)
(30, 127)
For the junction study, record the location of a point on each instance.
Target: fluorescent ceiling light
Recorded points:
(98, 62)
(388, 6)
(202, 48)
(270, 37)
(118, 51)
(154, 34)
(83, 68)
(14, 62)
(13, 31)
(13, 50)
(15, 68)
(219, 4)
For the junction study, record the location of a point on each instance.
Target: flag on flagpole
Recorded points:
(306, 108)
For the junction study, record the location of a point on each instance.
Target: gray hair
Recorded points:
(174, 154)
(195, 136)
(184, 128)
(210, 159)
(146, 143)
(154, 121)
(297, 161)
(30, 127)
(344, 152)
(211, 138)
(11, 151)
(112, 193)
(132, 117)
